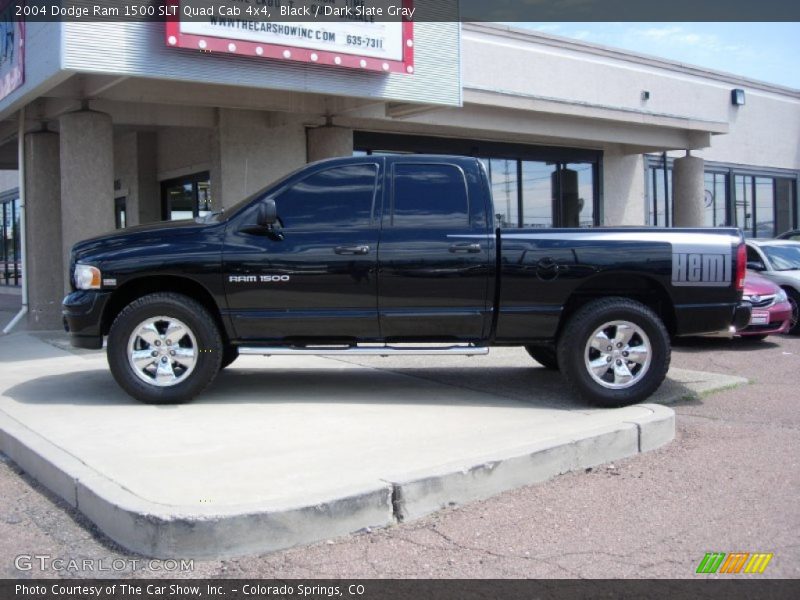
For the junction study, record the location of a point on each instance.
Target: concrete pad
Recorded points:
(285, 451)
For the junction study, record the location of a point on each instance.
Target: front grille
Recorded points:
(761, 301)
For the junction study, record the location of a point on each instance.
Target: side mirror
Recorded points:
(755, 265)
(266, 217)
(267, 213)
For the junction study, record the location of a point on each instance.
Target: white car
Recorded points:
(779, 261)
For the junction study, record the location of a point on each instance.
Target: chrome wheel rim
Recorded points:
(162, 351)
(618, 355)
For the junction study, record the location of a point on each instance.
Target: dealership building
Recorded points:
(111, 125)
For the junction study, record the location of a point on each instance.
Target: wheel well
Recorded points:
(136, 288)
(790, 290)
(636, 287)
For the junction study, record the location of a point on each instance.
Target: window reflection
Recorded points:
(505, 190)
(186, 197)
(339, 197)
(531, 193)
(660, 194)
(715, 200)
(760, 205)
(765, 207)
(538, 187)
(577, 195)
(10, 264)
(429, 196)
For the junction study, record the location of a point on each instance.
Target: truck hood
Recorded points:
(162, 232)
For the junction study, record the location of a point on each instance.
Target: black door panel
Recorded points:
(315, 278)
(435, 253)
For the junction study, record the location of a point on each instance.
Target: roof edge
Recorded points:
(563, 42)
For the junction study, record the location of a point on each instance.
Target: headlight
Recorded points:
(781, 296)
(87, 277)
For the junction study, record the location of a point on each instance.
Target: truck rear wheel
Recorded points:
(164, 348)
(614, 352)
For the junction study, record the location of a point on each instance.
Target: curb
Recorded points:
(164, 531)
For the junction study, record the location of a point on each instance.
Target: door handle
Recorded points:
(466, 247)
(357, 250)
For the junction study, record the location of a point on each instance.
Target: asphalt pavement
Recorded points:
(728, 483)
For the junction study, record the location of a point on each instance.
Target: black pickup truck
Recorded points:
(396, 255)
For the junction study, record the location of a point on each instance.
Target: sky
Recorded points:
(764, 51)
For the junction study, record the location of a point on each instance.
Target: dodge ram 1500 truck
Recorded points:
(388, 255)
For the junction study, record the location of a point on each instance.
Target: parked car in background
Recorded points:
(779, 261)
(793, 235)
(772, 312)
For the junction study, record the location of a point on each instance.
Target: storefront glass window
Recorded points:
(785, 204)
(120, 217)
(743, 186)
(581, 213)
(186, 197)
(539, 185)
(765, 207)
(716, 200)
(181, 201)
(10, 266)
(532, 186)
(505, 190)
(203, 198)
(760, 204)
(660, 197)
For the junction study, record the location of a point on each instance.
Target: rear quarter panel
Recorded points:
(543, 272)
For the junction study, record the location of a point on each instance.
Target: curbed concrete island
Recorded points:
(287, 451)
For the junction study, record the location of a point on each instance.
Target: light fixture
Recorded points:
(737, 97)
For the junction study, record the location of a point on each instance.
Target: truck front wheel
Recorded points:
(614, 352)
(164, 348)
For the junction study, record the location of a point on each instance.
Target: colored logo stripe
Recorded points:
(758, 563)
(711, 562)
(734, 563)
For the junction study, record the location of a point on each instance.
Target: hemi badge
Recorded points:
(110, 282)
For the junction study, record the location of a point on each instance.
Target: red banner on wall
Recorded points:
(12, 50)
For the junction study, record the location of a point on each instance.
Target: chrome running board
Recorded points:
(364, 350)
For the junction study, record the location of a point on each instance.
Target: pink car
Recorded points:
(772, 312)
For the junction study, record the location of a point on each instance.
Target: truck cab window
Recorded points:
(429, 196)
(336, 198)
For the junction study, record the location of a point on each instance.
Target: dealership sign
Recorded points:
(12, 49)
(342, 33)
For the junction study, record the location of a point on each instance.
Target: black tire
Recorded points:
(229, 354)
(544, 355)
(202, 336)
(574, 352)
(794, 300)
